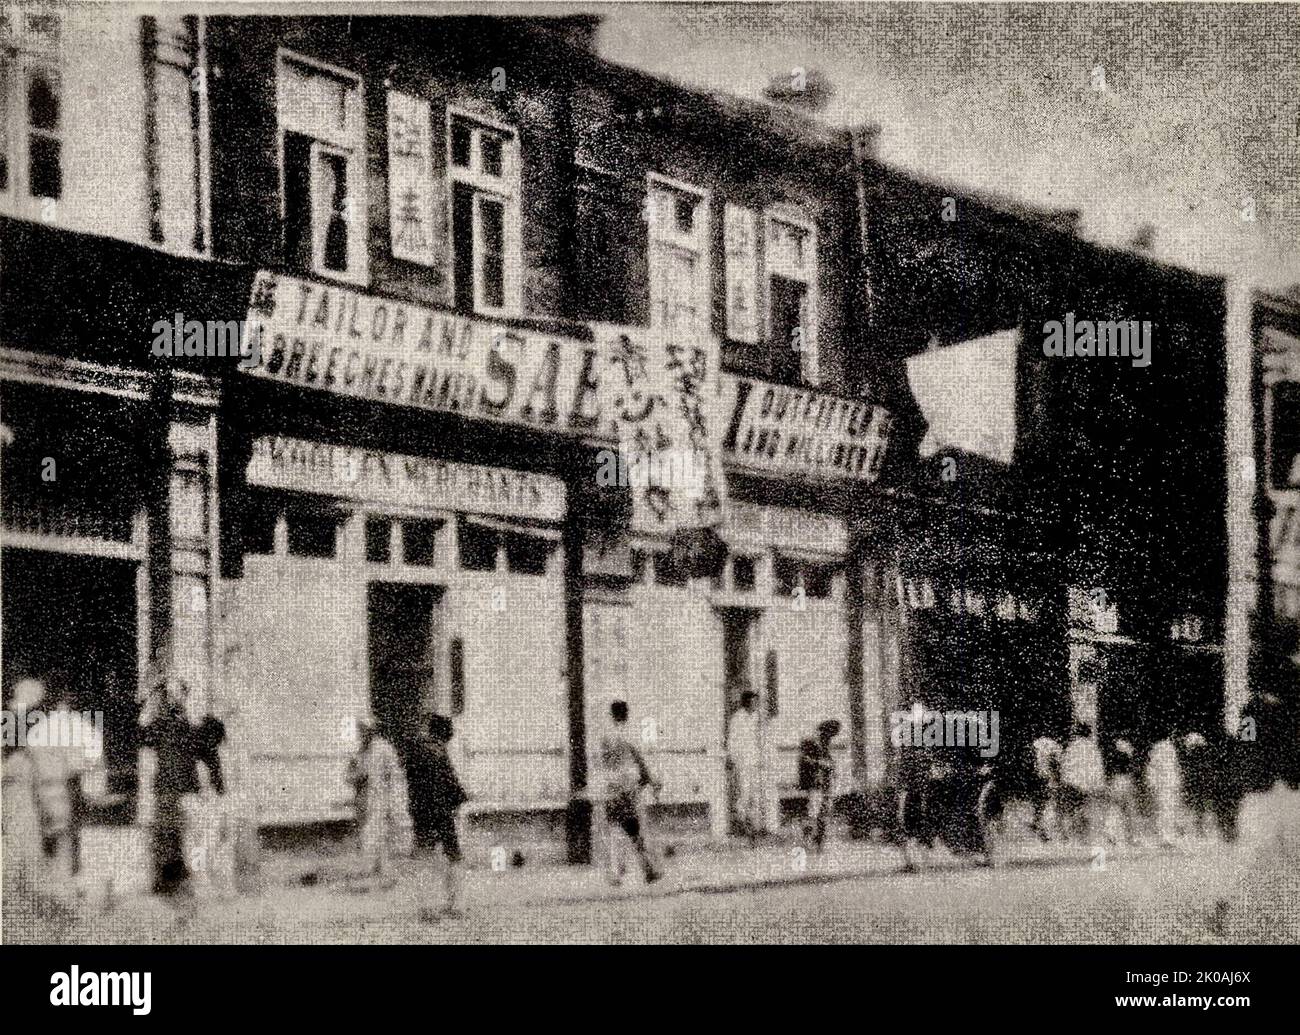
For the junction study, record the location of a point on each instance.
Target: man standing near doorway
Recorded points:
(745, 744)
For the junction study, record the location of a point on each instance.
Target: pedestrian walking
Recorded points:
(1198, 779)
(1046, 787)
(1123, 788)
(745, 743)
(1083, 784)
(1164, 781)
(39, 836)
(207, 830)
(626, 776)
(817, 780)
(382, 813)
(434, 793)
(59, 764)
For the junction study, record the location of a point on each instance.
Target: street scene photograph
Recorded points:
(650, 473)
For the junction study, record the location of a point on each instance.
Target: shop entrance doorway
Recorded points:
(71, 621)
(405, 646)
(739, 633)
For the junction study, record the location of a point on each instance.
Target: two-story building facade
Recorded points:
(550, 402)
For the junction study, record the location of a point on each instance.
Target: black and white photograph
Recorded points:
(651, 474)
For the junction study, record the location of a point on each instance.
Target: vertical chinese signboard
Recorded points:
(740, 236)
(410, 179)
(663, 396)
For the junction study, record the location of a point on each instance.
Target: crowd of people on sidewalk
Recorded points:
(1178, 789)
(406, 794)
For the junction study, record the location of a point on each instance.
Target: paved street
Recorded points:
(1201, 892)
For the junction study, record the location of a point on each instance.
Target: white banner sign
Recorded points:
(410, 179)
(392, 479)
(341, 340)
(664, 401)
(779, 430)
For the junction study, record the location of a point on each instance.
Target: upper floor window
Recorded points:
(771, 283)
(1284, 435)
(322, 148)
(677, 218)
(485, 217)
(31, 104)
(790, 271)
(44, 134)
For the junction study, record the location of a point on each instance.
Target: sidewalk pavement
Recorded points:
(716, 870)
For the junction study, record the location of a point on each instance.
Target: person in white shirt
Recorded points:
(625, 774)
(1047, 773)
(1164, 779)
(745, 756)
(382, 811)
(1083, 783)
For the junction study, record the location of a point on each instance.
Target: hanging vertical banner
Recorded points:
(664, 400)
(410, 179)
(740, 234)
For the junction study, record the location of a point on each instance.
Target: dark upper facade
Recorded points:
(498, 167)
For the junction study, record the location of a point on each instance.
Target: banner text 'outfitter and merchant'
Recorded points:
(801, 432)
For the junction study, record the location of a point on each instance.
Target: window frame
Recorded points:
(696, 242)
(21, 67)
(506, 189)
(791, 216)
(350, 143)
(10, 74)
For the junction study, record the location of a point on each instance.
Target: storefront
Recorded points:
(75, 543)
(398, 585)
(397, 492)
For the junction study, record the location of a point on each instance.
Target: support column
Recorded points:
(879, 632)
(1243, 491)
(578, 814)
(181, 552)
(855, 616)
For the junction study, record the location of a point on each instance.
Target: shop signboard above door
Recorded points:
(394, 480)
(341, 340)
(654, 399)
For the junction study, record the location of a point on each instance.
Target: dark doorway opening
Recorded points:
(405, 648)
(738, 626)
(71, 621)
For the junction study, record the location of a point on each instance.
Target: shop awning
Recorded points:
(518, 527)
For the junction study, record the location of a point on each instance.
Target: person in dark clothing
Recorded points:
(1229, 785)
(1200, 776)
(816, 779)
(434, 793)
(180, 747)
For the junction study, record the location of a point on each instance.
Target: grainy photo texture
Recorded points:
(652, 472)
